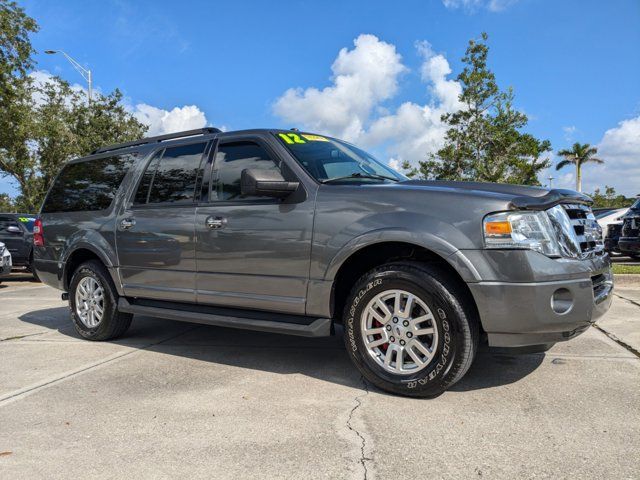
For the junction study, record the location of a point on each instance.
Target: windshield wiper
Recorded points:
(360, 175)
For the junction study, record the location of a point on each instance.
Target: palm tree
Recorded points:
(578, 156)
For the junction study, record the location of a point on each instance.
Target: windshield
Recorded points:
(636, 205)
(330, 160)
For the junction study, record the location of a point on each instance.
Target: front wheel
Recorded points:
(410, 329)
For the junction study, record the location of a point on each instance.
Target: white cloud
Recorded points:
(159, 120)
(620, 150)
(471, 6)
(167, 121)
(407, 134)
(569, 133)
(362, 78)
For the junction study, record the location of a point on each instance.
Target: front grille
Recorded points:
(631, 227)
(586, 228)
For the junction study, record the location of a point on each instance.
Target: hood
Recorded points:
(521, 197)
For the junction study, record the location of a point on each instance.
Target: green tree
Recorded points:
(609, 199)
(6, 204)
(578, 155)
(60, 125)
(484, 142)
(44, 125)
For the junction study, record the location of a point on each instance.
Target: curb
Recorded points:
(626, 280)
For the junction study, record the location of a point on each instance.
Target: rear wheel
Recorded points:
(93, 300)
(410, 329)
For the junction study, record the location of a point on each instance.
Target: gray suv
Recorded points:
(291, 232)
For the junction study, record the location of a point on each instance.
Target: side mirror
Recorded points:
(13, 229)
(265, 183)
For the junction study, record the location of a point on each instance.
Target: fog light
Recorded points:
(562, 301)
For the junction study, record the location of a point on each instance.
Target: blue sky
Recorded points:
(574, 66)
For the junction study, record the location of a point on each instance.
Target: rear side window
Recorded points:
(171, 176)
(5, 223)
(231, 159)
(88, 186)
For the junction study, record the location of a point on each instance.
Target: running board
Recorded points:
(320, 327)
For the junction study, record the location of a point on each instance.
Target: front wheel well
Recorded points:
(76, 259)
(379, 254)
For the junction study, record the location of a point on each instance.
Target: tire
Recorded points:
(112, 323)
(453, 320)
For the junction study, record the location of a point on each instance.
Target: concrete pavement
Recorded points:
(175, 399)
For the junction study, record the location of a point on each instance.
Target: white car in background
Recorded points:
(5, 261)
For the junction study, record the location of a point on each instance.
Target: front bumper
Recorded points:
(544, 308)
(5, 265)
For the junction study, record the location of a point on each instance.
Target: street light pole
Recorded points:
(550, 181)
(85, 73)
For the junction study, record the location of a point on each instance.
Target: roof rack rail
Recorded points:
(159, 138)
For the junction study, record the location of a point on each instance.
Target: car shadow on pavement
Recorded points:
(322, 358)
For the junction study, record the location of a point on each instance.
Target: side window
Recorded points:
(6, 222)
(142, 194)
(172, 176)
(231, 159)
(88, 185)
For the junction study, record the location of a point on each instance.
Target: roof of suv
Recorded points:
(176, 136)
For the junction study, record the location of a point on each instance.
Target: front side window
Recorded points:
(333, 161)
(171, 176)
(231, 159)
(89, 185)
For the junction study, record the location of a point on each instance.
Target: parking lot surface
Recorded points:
(177, 399)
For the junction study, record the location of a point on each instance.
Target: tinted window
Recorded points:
(87, 186)
(173, 178)
(142, 194)
(6, 222)
(231, 160)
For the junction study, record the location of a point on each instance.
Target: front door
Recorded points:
(155, 235)
(252, 252)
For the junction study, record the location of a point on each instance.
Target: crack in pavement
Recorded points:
(363, 443)
(18, 337)
(627, 299)
(620, 342)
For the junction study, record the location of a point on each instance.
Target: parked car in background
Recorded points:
(16, 232)
(629, 243)
(5, 261)
(610, 220)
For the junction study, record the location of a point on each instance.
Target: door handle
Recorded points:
(216, 223)
(127, 223)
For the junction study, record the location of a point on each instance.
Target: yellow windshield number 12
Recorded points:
(291, 138)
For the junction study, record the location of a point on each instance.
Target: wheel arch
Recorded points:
(376, 254)
(83, 253)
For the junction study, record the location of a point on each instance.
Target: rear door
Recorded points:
(252, 252)
(155, 235)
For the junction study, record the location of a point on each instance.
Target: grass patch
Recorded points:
(625, 269)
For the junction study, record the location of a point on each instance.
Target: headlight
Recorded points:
(527, 230)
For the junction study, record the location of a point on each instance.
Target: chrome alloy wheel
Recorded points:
(399, 331)
(89, 302)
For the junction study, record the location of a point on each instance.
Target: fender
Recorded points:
(95, 243)
(427, 240)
